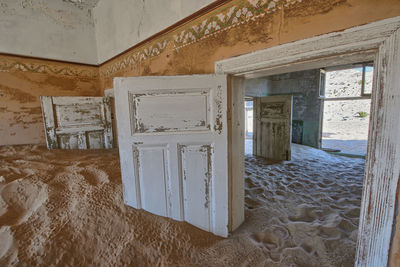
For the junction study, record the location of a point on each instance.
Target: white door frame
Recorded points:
(377, 41)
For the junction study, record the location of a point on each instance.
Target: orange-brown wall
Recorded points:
(238, 27)
(23, 81)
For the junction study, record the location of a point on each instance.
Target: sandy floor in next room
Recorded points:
(66, 208)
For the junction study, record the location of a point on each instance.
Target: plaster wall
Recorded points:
(120, 24)
(259, 87)
(240, 27)
(23, 81)
(59, 30)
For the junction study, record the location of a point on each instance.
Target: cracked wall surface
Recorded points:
(85, 31)
(62, 30)
(120, 24)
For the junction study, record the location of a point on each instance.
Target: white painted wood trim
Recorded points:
(383, 159)
(381, 40)
(361, 38)
(49, 123)
(108, 124)
(76, 100)
(109, 92)
(236, 135)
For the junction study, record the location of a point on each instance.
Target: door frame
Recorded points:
(379, 42)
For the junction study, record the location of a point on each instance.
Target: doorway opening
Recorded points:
(378, 42)
(304, 209)
(248, 116)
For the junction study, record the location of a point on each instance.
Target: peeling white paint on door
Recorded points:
(172, 134)
(77, 122)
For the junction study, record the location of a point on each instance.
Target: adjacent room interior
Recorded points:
(317, 189)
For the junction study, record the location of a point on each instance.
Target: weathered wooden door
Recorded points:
(77, 122)
(272, 127)
(172, 134)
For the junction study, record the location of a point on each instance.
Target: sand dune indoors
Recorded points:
(66, 208)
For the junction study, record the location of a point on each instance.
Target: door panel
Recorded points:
(161, 112)
(196, 176)
(172, 134)
(77, 122)
(152, 163)
(272, 123)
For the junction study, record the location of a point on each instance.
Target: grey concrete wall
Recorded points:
(121, 24)
(307, 107)
(61, 30)
(257, 87)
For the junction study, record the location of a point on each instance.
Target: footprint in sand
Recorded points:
(95, 176)
(329, 232)
(268, 239)
(307, 247)
(22, 198)
(257, 191)
(304, 213)
(346, 226)
(249, 183)
(353, 213)
(251, 203)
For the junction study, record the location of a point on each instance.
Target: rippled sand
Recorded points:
(66, 208)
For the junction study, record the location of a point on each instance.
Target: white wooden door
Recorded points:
(272, 134)
(77, 122)
(172, 134)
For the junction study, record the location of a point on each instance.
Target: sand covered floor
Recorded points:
(66, 208)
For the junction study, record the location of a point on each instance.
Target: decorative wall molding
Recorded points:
(223, 18)
(230, 15)
(15, 63)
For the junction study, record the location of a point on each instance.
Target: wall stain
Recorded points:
(16, 94)
(310, 8)
(20, 110)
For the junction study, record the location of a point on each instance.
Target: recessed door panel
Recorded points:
(196, 173)
(152, 164)
(161, 112)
